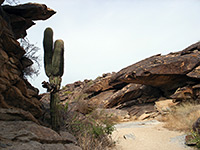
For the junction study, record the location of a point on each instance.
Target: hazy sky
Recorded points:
(103, 36)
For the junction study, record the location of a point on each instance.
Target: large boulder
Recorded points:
(132, 94)
(23, 135)
(21, 16)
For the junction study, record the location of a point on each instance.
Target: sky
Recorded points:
(103, 36)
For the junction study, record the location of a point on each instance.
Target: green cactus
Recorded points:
(54, 69)
(58, 58)
(48, 50)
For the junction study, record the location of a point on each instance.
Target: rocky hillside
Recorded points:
(160, 81)
(20, 108)
(139, 91)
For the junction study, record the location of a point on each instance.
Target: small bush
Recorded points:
(195, 139)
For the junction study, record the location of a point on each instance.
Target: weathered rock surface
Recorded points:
(133, 94)
(15, 91)
(21, 16)
(167, 72)
(16, 115)
(25, 135)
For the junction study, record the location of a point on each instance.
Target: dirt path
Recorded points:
(148, 135)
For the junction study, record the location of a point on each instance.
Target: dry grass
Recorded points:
(182, 117)
(89, 143)
(90, 133)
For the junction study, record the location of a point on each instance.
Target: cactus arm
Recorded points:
(58, 58)
(48, 50)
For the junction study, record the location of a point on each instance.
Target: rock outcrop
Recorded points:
(174, 77)
(20, 107)
(15, 91)
(27, 135)
(21, 17)
(167, 72)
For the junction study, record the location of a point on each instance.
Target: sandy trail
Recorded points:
(148, 135)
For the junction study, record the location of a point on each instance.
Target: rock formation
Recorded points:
(174, 77)
(167, 72)
(21, 17)
(20, 106)
(27, 135)
(15, 91)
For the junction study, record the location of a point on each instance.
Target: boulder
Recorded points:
(23, 135)
(101, 99)
(99, 85)
(144, 116)
(129, 92)
(15, 98)
(21, 16)
(183, 94)
(16, 115)
(164, 106)
(135, 111)
(133, 94)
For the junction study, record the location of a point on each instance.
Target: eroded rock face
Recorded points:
(23, 135)
(138, 87)
(15, 91)
(21, 17)
(167, 72)
(16, 115)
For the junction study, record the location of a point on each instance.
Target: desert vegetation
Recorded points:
(31, 53)
(182, 118)
(92, 133)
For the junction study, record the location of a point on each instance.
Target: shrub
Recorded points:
(31, 51)
(195, 138)
(91, 134)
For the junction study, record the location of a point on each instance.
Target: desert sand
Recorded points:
(147, 135)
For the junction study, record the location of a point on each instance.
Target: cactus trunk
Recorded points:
(54, 111)
(54, 102)
(54, 69)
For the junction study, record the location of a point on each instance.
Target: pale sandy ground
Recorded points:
(148, 135)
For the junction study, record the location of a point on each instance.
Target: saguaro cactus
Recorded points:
(54, 69)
